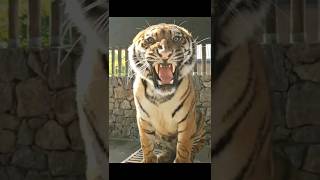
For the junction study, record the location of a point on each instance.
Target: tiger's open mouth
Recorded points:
(165, 73)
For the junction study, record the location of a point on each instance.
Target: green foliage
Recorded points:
(23, 22)
(116, 64)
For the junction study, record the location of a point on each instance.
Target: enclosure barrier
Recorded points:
(288, 22)
(294, 21)
(119, 67)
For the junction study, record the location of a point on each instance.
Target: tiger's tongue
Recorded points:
(165, 75)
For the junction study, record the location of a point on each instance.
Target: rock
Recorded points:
(296, 154)
(302, 175)
(15, 173)
(129, 113)
(133, 105)
(65, 106)
(205, 95)
(60, 75)
(278, 109)
(25, 134)
(110, 91)
(312, 161)
(130, 97)
(120, 92)
(303, 105)
(309, 72)
(5, 159)
(33, 175)
(27, 158)
(197, 83)
(125, 105)
(111, 106)
(206, 78)
(33, 98)
(280, 133)
(13, 65)
(6, 96)
(71, 178)
(67, 163)
(8, 141)
(35, 123)
(75, 136)
(8, 121)
(309, 134)
(119, 112)
(207, 84)
(3, 174)
(276, 68)
(298, 54)
(35, 64)
(51, 136)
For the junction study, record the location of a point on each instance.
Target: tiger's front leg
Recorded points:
(147, 140)
(186, 128)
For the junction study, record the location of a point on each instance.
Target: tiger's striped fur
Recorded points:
(91, 18)
(166, 105)
(241, 147)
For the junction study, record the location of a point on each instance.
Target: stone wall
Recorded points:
(122, 111)
(294, 74)
(39, 130)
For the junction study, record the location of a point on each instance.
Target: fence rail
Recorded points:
(288, 22)
(293, 21)
(118, 61)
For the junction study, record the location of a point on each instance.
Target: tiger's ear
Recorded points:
(185, 32)
(138, 36)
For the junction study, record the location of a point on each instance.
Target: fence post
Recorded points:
(198, 61)
(270, 35)
(119, 61)
(112, 64)
(13, 24)
(318, 18)
(126, 59)
(297, 21)
(34, 24)
(203, 60)
(208, 59)
(55, 23)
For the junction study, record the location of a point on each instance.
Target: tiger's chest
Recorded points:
(163, 116)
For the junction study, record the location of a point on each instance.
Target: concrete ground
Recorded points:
(120, 149)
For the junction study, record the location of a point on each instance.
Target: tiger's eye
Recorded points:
(177, 38)
(150, 40)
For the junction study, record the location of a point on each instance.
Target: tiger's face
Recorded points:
(162, 55)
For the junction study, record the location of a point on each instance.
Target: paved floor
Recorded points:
(120, 149)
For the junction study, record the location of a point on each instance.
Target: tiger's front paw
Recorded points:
(150, 159)
(180, 160)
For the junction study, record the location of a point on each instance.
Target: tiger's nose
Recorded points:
(165, 54)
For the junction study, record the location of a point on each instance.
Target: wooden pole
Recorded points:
(34, 24)
(270, 35)
(55, 23)
(297, 21)
(13, 24)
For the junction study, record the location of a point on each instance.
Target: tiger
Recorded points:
(91, 19)
(241, 124)
(162, 57)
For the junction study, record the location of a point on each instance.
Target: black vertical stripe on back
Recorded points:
(90, 117)
(140, 106)
(225, 140)
(181, 104)
(260, 141)
(242, 94)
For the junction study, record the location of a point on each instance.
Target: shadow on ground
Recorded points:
(120, 149)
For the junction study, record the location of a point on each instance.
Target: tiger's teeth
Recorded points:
(171, 82)
(173, 68)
